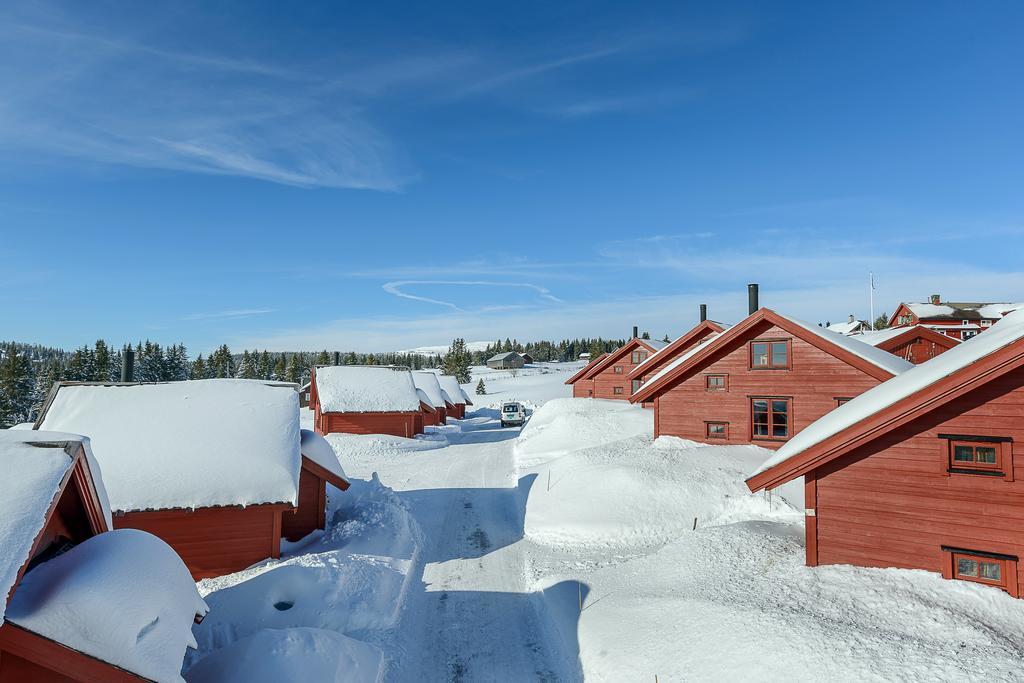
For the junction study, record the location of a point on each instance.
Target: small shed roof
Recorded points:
(365, 389)
(318, 450)
(35, 465)
(503, 356)
(124, 597)
(193, 444)
(427, 381)
(451, 386)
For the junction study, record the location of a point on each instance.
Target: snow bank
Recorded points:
(295, 655)
(187, 444)
(124, 597)
(569, 424)
(32, 477)
(317, 449)
(634, 494)
(427, 382)
(360, 389)
(1008, 331)
(533, 386)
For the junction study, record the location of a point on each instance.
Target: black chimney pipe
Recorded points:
(752, 303)
(635, 331)
(128, 366)
(337, 358)
(703, 312)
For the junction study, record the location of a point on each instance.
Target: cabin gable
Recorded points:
(903, 500)
(716, 400)
(903, 317)
(610, 378)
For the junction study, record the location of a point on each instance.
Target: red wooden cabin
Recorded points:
(60, 508)
(960, 320)
(320, 467)
(655, 363)
(610, 374)
(435, 407)
(456, 400)
(762, 381)
(209, 466)
(582, 385)
(925, 471)
(915, 344)
(355, 399)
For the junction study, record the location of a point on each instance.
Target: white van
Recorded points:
(512, 414)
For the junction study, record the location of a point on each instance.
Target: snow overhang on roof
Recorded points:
(365, 389)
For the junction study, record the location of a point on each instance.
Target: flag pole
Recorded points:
(871, 294)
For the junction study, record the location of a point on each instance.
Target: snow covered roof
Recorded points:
(655, 344)
(682, 358)
(848, 327)
(365, 389)
(32, 478)
(199, 443)
(503, 356)
(918, 377)
(876, 337)
(962, 310)
(124, 597)
(883, 359)
(451, 386)
(427, 381)
(657, 356)
(318, 449)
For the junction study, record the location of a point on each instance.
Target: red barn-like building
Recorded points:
(455, 398)
(582, 385)
(762, 381)
(959, 320)
(64, 593)
(925, 471)
(209, 466)
(366, 399)
(915, 344)
(608, 377)
(433, 395)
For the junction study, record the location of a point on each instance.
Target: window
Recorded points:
(770, 418)
(617, 369)
(986, 323)
(617, 391)
(906, 319)
(636, 384)
(769, 355)
(716, 430)
(979, 455)
(840, 400)
(639, 356)
(967, 334)
(716, 382)
(991, 569)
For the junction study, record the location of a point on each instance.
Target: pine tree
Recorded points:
(293, 373)
(265, 366)
(101, 360)
(881, 322)
(199, 368)
(457, 360)
(17, 380)
(480, 387)
(280, 368)
(247, 368)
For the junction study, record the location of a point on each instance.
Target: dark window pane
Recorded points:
(963, 453)
(966, 567)
(985, 454)
(779, 354)
(759, 354)
(780, 408)
(780, 430)
(992, 571)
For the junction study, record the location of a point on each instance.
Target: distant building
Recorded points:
(915, 344)
(366, 399)
(608, 375)
(851, 326)
(955, 319)
(304, 395)
(527, 358)
(456, 398)
(505, 361)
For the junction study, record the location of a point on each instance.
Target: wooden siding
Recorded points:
(583, 388)
(917, 349)
(814, 382)
(892, 502)
(407, 424)
(606, 380)
(217, 540)
(310, 513)
(458, 411)
(26, 657)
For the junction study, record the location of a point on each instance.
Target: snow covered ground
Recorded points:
(581, 548)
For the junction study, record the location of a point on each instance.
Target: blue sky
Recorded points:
(390, 175)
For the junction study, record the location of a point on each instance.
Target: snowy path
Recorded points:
(471, 616)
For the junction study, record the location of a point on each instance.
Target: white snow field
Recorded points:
(581, 548)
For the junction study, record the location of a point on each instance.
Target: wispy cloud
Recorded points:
(237, 313)
(396, 288)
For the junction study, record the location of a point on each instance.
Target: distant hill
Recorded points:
(475, 346)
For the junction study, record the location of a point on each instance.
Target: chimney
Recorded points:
(851, 318)
(703, 312)
(936, 299)
(752, 304)
(635, 331)
(337, 357)
(128, 366)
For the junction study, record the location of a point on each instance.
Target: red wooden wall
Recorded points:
(605, 381)
(583, 388)
(916, 350)
(217, 540)
(458, 411)
(397, 424)
(891, 503)
(814, 383)
(311, 510)
(29, 658)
